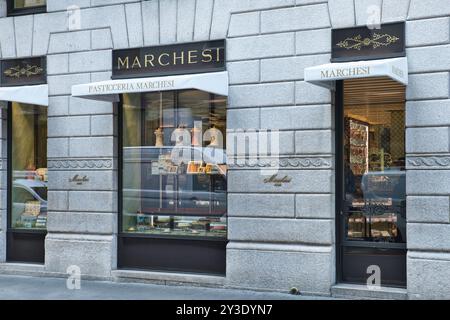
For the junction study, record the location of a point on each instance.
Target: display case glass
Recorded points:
(374, 163)
(174, 164)
(28, 198)
(23, 4)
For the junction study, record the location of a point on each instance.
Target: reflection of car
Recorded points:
(26, 190)
(382, 185)
(149, 179)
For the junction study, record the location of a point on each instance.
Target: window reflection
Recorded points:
(374, 160)
(23, 4)
(29, 166)
(174, 164)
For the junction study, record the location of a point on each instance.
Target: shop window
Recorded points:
(28, 154)
(174, 164)
(18, 7)
(374, 160)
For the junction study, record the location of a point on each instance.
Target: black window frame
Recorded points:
(11, 11)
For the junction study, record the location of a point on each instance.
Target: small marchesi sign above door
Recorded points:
(19, 72)
(362, 43)
(197, 57)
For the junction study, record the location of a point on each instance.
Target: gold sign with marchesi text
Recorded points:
(197, 57)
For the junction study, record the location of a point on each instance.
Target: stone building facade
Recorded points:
(278, 238)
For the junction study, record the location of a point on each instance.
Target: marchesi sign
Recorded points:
(197, 57)
(27, 71)
(362, 43)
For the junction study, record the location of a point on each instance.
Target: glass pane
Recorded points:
(174, 167)
(23, 4)
(29, 166)
(374, 160)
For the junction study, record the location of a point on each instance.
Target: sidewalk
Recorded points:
(35, 288)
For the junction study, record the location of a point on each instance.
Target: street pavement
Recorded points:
(38, 288)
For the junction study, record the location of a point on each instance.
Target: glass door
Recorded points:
(27, 182)
(371, 185)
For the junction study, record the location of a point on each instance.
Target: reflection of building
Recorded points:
(363, 119)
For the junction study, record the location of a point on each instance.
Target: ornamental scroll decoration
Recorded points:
(23, 71)
(377, 40)
(280, 163)
(429, 162)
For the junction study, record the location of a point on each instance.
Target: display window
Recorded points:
(16, 7)
(174, 173)
(28, 175)
(372, 199)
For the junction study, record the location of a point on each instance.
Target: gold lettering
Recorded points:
(160, 59)
(149, 60)
(192, 54)
(122, 63)
(175, 58)
(207, 54)
(218, 54)
(136, 62)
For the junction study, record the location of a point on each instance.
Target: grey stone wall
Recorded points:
(279, 237)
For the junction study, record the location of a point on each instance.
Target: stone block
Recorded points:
(93, 254)
(203, 19)
(261, 95)
(90, 61)
(150, 10)
(342, 13)
(427, 32)
(307, 93)
(264, 46)
(313, 181)
(102, 39)
(62, 84)
(295, 18)
(134, 24)
(57, 147)
(93, 201)
(427, 236)
(368, 12)
(313, 41)
(70, 41)
(428, 113)
(428, 86)
(428, 275)
(243, 72)
(76, 126)
(314, 142)
(81, 222)
(428, 182)
(58, 106)
(62, 5)
(57, 64)
(428, 59)
(428, 209)
(247, 118)
(58, 200)
(418, 140)
(261, 205)
(428, 9)
(168, 21)
(394, 10)
(244, 24)
(92, 147)
(80, 106)
(103, 125)
(318, 206)
(185, 20)
(298, 117)
(104, 180)
(308, 231)
(281, 267)
(292, 68)
(7, 41)
(24, 35)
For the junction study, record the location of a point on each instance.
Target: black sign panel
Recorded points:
(362, 43)
(19, 72)
(197, 57)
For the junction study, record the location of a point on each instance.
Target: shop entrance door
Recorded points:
(371, 190)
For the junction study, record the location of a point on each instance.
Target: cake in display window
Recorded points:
(174, 164)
